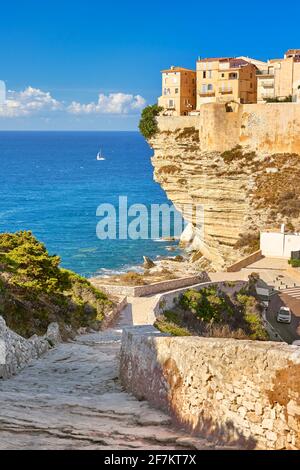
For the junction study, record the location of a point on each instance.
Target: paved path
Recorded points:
(72, 399)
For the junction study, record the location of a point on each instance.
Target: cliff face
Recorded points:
(242, 188)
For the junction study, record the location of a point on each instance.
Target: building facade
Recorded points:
(222, 80)
(281, 79)
(178, 91)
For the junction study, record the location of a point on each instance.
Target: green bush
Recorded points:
(295, 263)
(208, 304)
(30, 264)
(35, 291)
(166, 326)
(148, 124)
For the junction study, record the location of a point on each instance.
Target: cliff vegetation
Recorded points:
(35, 290)
(148, 124)
(229, 312)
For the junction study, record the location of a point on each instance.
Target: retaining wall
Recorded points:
(148, 289)
(243, 263)
(245, 393)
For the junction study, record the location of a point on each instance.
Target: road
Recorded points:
(288, 332)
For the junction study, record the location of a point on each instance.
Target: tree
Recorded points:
(148, 124)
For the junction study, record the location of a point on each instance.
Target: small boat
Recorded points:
(100, 156)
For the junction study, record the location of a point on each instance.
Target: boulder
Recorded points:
(53, 334)
(148, 263)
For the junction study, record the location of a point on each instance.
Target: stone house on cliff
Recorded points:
(281, 79)
(178, 91)
(220, 80)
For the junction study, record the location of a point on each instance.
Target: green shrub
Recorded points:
(166, 326)
(35, 291)
(208, 304)
(295, 263)
(148, 124)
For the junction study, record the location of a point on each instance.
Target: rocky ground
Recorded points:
(71, 398)
(163, 269)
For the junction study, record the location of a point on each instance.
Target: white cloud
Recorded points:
(114, 103)
(33, 101)
(28, 102)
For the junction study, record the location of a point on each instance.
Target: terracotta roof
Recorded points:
(233, 61)
(178, 69)
(236, 63)
(293, 51)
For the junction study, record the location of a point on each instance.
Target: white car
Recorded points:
(284, 315)
(296, 342)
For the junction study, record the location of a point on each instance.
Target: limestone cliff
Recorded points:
(245, 185)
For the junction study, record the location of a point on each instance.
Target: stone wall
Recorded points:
(245, 393)
(148, 289)
(243, 263)
(172, 123)
(268, 127)
(19, 351)
(167, 300)
(113, 315)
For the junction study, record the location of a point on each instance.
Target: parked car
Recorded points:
(284, 315)
(296, 342)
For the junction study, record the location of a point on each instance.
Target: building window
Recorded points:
(209, 74)
(204, 74)
(204, 88)
(233, 76)
(176, 90)
(209, 87)
(223, 75)
(171, 104)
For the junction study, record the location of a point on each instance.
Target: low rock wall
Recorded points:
(243, 393)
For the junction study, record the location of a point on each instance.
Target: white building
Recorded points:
(279, 244)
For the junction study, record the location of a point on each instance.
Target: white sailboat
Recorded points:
(100, 156)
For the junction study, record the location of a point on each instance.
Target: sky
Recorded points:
(94, 65)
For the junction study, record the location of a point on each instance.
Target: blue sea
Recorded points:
(52, 184)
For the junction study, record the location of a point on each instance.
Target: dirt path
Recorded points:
(71, 399)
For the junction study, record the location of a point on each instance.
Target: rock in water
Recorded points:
(148, 263)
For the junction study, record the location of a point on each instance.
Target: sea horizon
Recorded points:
(52, 185)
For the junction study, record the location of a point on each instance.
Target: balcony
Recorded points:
(225, 91)
(205, 94)
(267, 84)
(265, 96)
